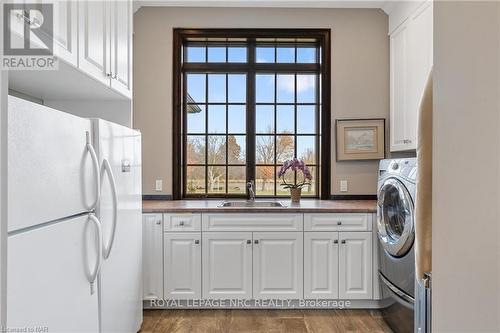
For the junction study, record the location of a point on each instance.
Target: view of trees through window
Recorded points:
(248, 107)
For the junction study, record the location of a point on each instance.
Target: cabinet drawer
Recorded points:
(182, 222)
(337, 222)
(252, 222)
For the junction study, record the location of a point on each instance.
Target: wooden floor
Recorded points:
(262, 321)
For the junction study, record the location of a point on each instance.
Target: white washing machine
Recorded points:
(396, 233)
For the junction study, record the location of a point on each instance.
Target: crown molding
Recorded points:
(380, 4)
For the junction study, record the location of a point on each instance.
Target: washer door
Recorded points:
(395, 218)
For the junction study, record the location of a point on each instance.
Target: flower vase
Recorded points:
(295, 193)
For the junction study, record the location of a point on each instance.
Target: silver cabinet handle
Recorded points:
(158, 222)
(97, 268)
(181, 223)
(335, 241)
(106, 168)
(256, 241)
(249, 241)
(339, 223)
(197, 241)
(343, 241)
(109, 75)
(95, 164)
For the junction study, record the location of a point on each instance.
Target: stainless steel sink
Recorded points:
(261, 204)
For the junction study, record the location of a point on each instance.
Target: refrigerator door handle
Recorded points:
(95, 164)
(107, 168)
(97, 268)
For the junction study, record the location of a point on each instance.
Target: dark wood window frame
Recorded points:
(180, 35)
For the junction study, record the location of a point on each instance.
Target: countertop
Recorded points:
(305, 206)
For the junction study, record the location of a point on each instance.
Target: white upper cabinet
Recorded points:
(105, 43)
(355, 265)
(93, 43)
(420, 58)
(65, 30)
(398, 40)
(278, 265)
(121, 46)
(94, 39)
(411, 61)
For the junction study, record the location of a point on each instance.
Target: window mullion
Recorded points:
(251, 112)
(206, 132)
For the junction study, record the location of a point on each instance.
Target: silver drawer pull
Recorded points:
(197, 241)
(249, 241)
(158, 222)
(336, 241)
(339, 223)
(181, 223)
(343, 241)
(256, 241)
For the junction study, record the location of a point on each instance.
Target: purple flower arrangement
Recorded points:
(295, 165)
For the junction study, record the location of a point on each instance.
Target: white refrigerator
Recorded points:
(74, 222)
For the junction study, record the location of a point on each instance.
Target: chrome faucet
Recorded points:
(251, 191)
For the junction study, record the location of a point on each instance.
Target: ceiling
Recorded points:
(382, 4)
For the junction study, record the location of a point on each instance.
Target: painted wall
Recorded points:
(466, 176)
(360, 76)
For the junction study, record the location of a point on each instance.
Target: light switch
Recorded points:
(159, 185)
(343, 186)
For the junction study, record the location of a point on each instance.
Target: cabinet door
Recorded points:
(65, 30)
(93, 29)
(227, 265)
(419, 65)
(152, 256)
(321, 265)
(278, 265)
(182, 253)
(121, 46)
(355, 265)
(398, 88)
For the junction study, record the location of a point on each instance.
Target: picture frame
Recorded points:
(360, 139)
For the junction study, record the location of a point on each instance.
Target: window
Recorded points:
(246, 101)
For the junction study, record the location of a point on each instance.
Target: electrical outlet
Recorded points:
(159, 185)
(343, 186)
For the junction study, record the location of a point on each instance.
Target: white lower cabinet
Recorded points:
(227, 265)
(182, 263)
(190, 262)
(355, 265)
(278, 265)
(338, 265)
(321, 265)
(152, 256)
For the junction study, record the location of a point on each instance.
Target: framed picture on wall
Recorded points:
(360, 139)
